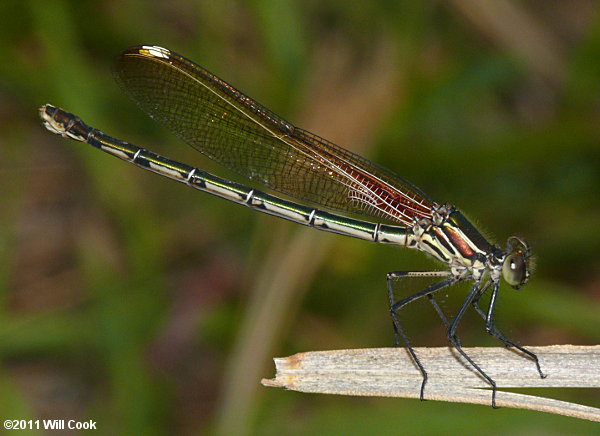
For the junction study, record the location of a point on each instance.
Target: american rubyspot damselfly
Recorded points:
(236, 131)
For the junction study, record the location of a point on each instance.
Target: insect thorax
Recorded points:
(451, 238)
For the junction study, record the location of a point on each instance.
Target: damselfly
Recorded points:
(236, 131)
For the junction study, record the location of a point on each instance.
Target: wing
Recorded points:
(236, 131)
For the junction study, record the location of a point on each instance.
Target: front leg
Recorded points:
(492, 330)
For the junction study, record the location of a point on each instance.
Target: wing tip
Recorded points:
(152, 51)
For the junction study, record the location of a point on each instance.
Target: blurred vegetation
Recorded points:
(154, 309)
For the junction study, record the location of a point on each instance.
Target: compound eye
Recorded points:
(514, 270)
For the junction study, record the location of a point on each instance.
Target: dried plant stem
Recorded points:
(389, 372)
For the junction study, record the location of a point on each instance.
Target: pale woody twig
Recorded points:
(389, 372)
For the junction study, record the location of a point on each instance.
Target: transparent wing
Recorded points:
(236, 131)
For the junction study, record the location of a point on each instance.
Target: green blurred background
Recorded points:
(155, 309)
